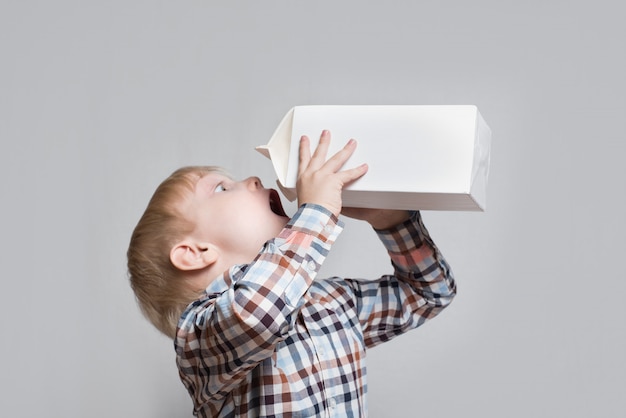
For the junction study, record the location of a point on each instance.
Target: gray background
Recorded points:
(99, 101)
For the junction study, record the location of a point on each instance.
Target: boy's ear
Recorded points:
(189, 255)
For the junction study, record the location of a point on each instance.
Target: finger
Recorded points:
(319, 155)
(304, 154)
(348, 176)
(337, 161)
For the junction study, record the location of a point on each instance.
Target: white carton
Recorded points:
(419, 157)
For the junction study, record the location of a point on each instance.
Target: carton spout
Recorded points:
(289, 193)
(264, 149)
(277, 149)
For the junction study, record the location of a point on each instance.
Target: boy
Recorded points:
(258, 336)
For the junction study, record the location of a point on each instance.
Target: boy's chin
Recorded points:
(283, 220)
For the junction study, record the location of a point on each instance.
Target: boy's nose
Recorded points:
(253, 183)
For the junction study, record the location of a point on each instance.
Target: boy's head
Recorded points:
(198, 223)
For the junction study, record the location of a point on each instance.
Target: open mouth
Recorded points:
(275, 204)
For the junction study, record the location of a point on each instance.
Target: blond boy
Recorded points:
(218, 266)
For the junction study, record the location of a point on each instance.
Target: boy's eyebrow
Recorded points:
(209, 185)
(203, 184)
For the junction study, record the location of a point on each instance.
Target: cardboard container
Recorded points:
(419, 157)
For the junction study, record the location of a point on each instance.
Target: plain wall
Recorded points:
(99, 101)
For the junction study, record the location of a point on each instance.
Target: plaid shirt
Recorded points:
(267, 340)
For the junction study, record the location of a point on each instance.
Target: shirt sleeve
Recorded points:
(420, 288)
(222, 336)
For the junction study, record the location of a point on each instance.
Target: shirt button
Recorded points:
(333, 402)
(311, 266)
(328, 228)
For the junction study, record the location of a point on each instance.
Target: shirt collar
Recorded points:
(224, 281)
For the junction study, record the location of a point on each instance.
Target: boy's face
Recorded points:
(236, 216)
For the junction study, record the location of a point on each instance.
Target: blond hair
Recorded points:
(160, 288)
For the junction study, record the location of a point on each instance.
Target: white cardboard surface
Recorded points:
(419, 157)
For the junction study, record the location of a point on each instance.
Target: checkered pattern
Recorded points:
(267, 340)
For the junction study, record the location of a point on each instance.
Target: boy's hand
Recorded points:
(320, 181)
(378, 218)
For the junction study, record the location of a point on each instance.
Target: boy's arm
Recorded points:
(420, 288)
(225, 335)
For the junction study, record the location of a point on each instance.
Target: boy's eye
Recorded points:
(220, 188)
